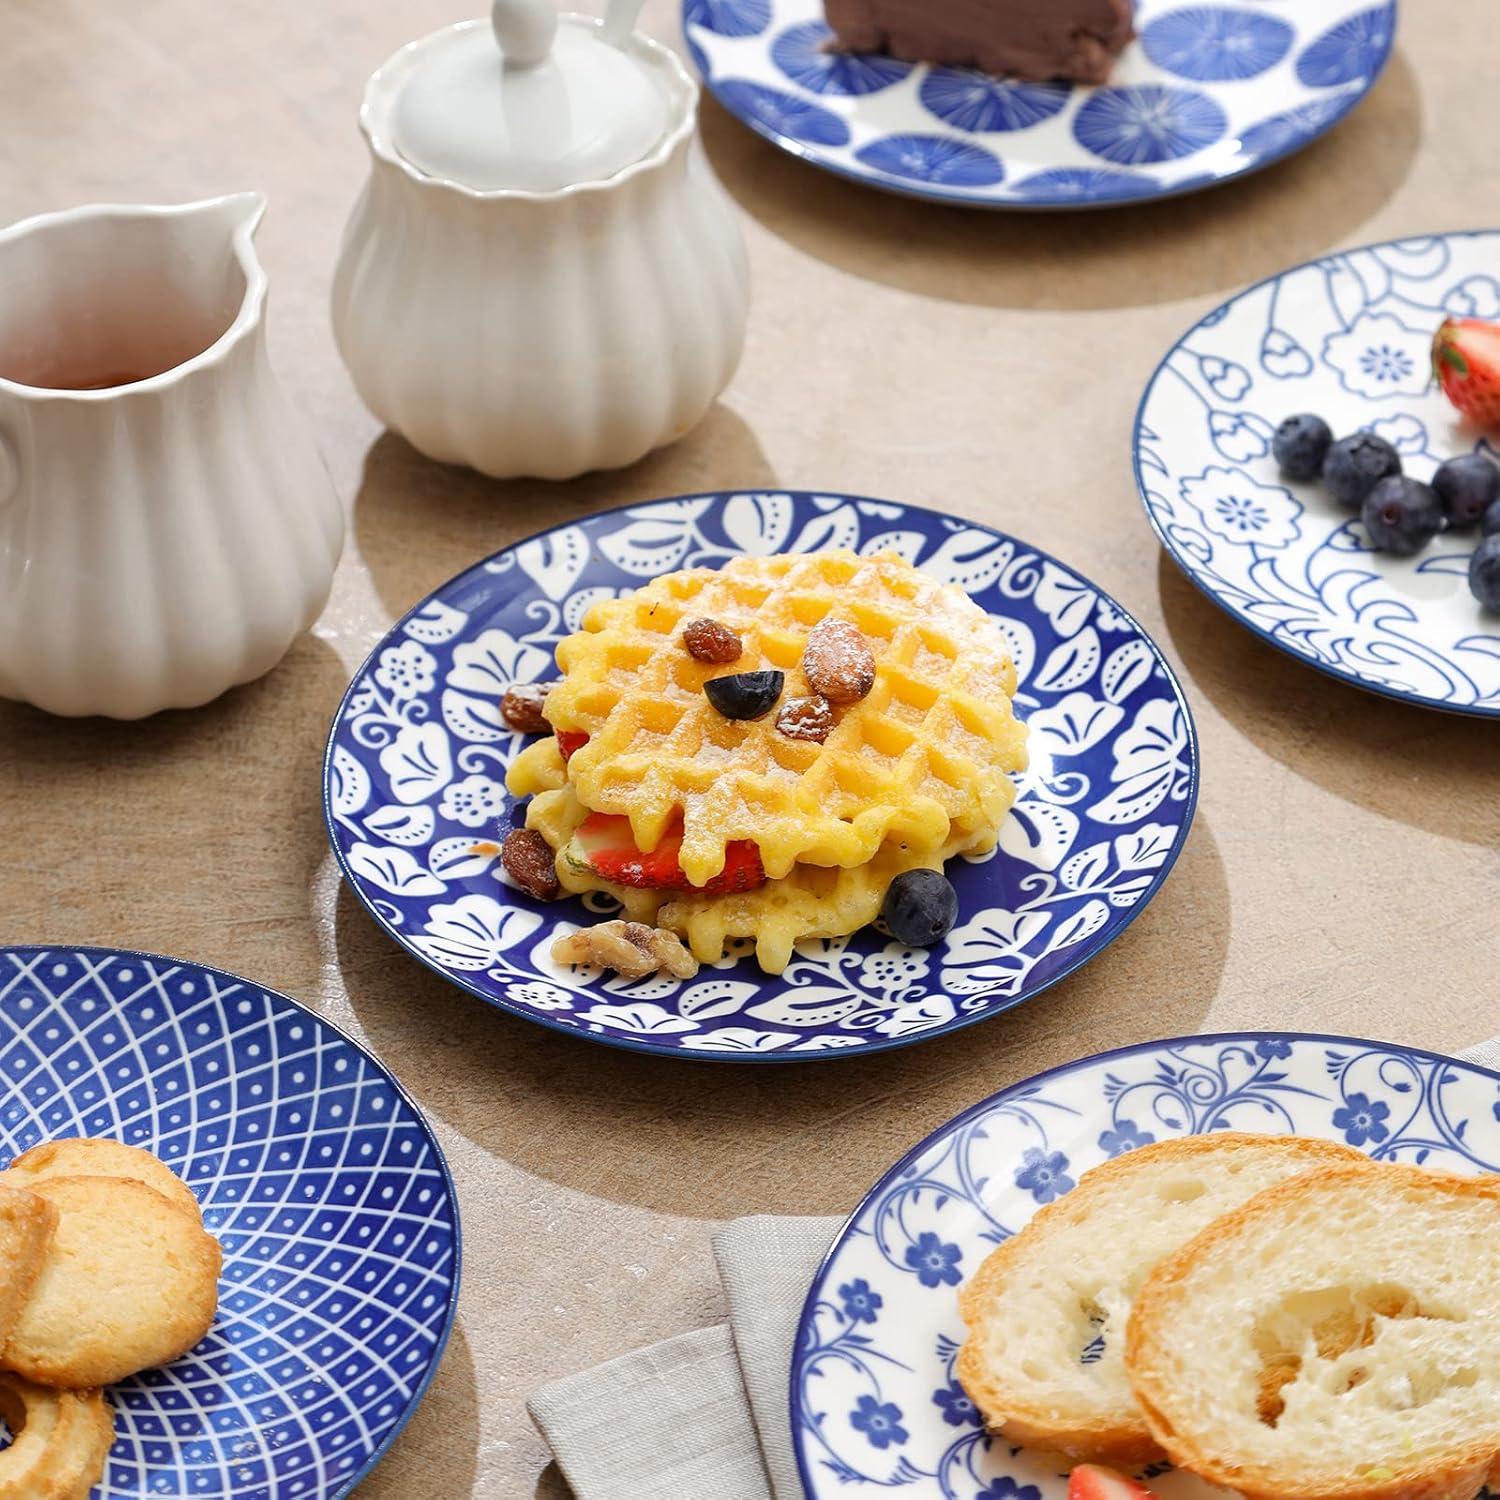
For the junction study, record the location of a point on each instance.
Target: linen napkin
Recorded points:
(705, 1416)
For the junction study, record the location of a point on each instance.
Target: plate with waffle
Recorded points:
(761, 776)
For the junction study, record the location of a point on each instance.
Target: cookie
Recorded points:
(26, 1225)
(59, 1441)
(128, 1282)
(86, 1157)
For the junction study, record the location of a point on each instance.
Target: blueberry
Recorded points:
(1467, 486)
(746, 695)
(1356, 464)
(1301, 444)
(920, 908)
(1484, 573)
(1490, 526)
(1401, 515)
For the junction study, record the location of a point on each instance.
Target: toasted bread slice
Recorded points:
(1335, 1338)
(89, 1157)
(129, 1281)
(1068, 1280)
(26, 1225)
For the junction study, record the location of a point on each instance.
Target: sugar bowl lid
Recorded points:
(533, 102)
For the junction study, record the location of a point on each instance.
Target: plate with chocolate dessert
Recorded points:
(1039, 104)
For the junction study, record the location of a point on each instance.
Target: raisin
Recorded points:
(708, 640)
(806, 719)
(838, 662)
(522, 706)
(529, 861)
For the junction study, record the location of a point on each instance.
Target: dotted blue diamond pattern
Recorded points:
(319, 1177)
(1207, 92)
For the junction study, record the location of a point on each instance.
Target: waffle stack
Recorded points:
(915, 772)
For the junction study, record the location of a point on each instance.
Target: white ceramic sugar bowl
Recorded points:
(542, 275)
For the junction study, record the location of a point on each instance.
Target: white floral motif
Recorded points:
(475, 801)
(1240, 509)
(474, 932)
(406, 670)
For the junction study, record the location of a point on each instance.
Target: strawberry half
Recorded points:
(604, 846)
(1094, 1482)
(570, 741)
(1466, 363)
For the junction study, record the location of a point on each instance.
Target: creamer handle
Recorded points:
(10, 471)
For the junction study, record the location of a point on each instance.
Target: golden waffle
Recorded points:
(921, 762)
(812, 902)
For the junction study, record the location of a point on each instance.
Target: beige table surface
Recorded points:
(1342, 871)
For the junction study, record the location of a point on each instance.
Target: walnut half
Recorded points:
(630, 948)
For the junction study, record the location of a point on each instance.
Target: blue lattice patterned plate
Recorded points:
(415, 797)
(874, 1401)
(1348, 336)
(316, 1172)
(1205, 94)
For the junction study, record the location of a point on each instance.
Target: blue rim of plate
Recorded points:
(1350, 679)
(625, 1043)
(1022, 1087)
(900, 188)
(348, 1484)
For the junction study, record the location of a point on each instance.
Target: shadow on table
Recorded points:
(438, 1453)
(712, 1140)
(194, 833)
(417, 522)
(1415, 765)
(550, 1485)
(1221, 238)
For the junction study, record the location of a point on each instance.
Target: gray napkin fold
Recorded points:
(705, 1416)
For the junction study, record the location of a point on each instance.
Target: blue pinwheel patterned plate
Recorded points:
(320, 1178)
(416, 800)
(1348, 337)
(1206, 93)
(874, 1400)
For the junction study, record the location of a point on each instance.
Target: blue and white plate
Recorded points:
(1348, 337)
(415, 795)
(874, 1400)
(1206, 93)
(316, 1172)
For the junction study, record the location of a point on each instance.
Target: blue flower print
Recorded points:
(974, 101)
(1354, 49)
(1362, 1119)
(1273, 1050)
(1240, 436)
(1044, 1177)
(861, 1305)
(935, 1262)
(880, 1422)
(954, 1403)
(783, 114)
(1214, 44)
(803, 54)
(1126, 1136)
(1148, 123)
(1008, 1489)
(729, 17)
(933, 158)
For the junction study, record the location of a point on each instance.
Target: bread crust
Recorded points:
(1461, 1475)
(87, 1156)
(1125, 1443)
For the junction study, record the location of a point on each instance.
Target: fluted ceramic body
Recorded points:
(543, 334)
(165, 539)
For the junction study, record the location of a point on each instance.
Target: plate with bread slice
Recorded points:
(228, 1240)
(1258, 1263)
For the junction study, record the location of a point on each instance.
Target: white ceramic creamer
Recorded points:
(167, 526)
(542, 275)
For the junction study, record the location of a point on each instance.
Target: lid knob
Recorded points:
(525, 30)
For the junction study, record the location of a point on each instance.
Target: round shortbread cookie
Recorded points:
(86, 1156)
(129, 1282)
(59, 1441)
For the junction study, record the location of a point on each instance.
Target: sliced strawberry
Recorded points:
(1466, 363)
(569, 741)
(604, 846)
(1095, 1482)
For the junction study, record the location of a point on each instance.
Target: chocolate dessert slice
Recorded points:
(1035, 39)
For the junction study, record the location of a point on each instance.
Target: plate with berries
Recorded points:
(1321, 457)
(877, 906)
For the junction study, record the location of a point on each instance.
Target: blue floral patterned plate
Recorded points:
(1206, 93)
(873, 1395)
(415, 796)
(316, 1172)
(1349, 337)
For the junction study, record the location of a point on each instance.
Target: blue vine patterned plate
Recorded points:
(415, 796)
(1347, 336)
(1206, 93)
(316, 1172)
(873, 1395)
